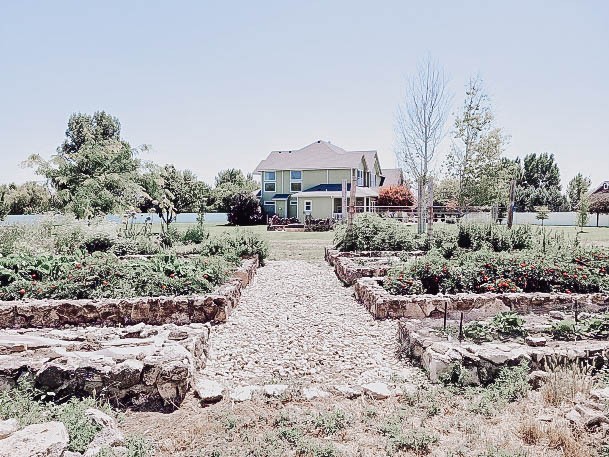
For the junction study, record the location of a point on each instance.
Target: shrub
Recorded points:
(395, 196)
(510, 385)
(245, 209)
(195, 235)
(330, 423)
(371, 232)
(508, 323)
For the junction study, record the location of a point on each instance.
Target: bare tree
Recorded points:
(421, 120)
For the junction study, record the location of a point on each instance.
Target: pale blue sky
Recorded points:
(212, 85)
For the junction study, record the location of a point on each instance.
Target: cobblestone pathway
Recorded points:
(297, 323)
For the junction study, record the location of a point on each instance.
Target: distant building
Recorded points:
(308, 181)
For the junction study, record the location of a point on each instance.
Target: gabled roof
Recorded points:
(393, 176)
(316, 156)
(602, 189)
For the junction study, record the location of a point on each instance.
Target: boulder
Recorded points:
(535, 341)
(274, 390)
(538, 378)
(600, 394)
(40, 440)
(311, 393)
(348, 392)
(8, 427)
(209, 391)
(245, 393)
(377, 390)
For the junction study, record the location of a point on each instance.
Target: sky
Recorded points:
(215, 85)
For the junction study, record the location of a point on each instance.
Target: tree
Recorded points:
(28, 198)
(577, 187)
(94, 171)
(244, 209)
(399, 195)
(229, 183)
(539, 184)
(421, 119)
(475, 158)
(583, 216)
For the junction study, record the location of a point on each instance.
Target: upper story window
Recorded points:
(360, 178)
(295, 181)
(269, 181)
(606, 186)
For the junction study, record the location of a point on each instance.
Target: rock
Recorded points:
(209, 391)
(574, 417)
(535, 341)
(245, 393)
(72, 454)
(8, 427)
(600, 394)
(377, 390)
(100, 418)
(591, 417)
(408, 390)
(348, 392)
(311, 393)
(105, 438)
(559, 315)
(40, 440)
(274, 390)
(538, 378)
(545, 418)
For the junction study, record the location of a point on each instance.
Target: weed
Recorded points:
(290, 435)
(330, 423)
(510, 385)
(565, 383)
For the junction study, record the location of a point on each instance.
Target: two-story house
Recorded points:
(308, 181)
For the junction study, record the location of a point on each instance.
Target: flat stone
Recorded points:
(40, 440)
(538, 378)
(600, 394)
(8, 427)
(348, 392)
(240, 394)
(377, 390)
(559, 315)
(274, 390)
(535, 341)
(311, 393)
(209, 391)
(100, 418)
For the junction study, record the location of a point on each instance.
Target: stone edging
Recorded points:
(214, 307)
(480, 363)
(331, 254)
(382, 305)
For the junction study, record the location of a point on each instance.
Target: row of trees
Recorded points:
(476, 171)
(96, 172)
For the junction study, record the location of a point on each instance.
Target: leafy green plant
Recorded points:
(510, 385)
(330, 423)
(508, 323)
(478, 331)
(566, 330)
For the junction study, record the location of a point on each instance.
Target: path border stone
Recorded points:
(214, 307)
(384, 305)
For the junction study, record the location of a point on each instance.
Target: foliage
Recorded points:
(483, 271)
(478, 331)
(245, 209)
(583, 209)
(565, 330)
(229, 183)
(576, 189)
(94, 171)
(399, 195)
(599, 204)
(331, 423)
(510, 385)
(26, 404)
(475, 158)
(27, 198)
(371, 232)
(417, 440)
(508, 323)
(539, 184)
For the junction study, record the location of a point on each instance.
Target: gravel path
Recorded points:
(297, 323)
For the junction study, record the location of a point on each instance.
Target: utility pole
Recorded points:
(510, 216)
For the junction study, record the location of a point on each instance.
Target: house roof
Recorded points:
(327, 188)
(281, 196)
(602, 188)
(393, 176)
(315, 156)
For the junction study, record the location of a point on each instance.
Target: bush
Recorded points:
(371, 232)
(510, 385)
(245, 209)
(395, 196)
(195, 235)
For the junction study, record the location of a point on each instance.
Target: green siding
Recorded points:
(321, 207)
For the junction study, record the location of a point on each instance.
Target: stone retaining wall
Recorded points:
(480, 363)
(214, 307)
(382, 305)
(141, 366)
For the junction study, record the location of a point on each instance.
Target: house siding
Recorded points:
(321, 207)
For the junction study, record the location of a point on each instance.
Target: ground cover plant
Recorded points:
(580, 271)
(64, 259)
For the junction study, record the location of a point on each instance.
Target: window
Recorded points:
(269, 207)
(295, 181)
(360, 178)
(606, 186)
(269, 186)
(269, 176)
(269, 181)
(308, 206)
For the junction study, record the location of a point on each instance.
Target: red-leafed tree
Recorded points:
(395, 196)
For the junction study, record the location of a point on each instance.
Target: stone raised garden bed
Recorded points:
(214, 307)
(331, 254)
(424, 343)
(142, 366)
(382, 304)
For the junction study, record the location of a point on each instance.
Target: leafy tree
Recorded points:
(475, 158)
(94, 171)
(244, 209)
(578, 187)
(229, 183)
(28, 198)
(539, 184)
(446, 193)
(399, 195)
(599, 204)
(4, 206)
(583, 216)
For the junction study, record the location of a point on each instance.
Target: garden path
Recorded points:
(296, 323)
